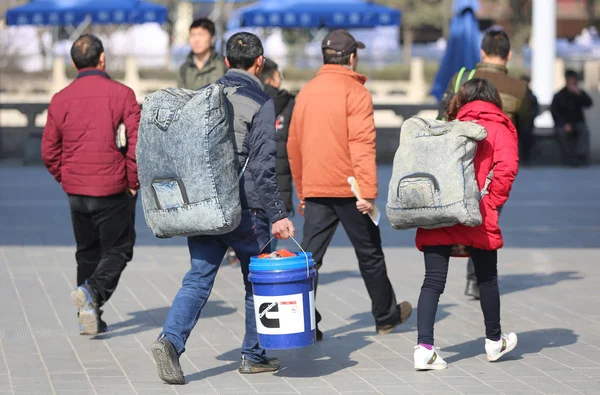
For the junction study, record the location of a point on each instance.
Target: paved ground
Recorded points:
(549, 267)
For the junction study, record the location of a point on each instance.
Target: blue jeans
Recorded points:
(207, 253)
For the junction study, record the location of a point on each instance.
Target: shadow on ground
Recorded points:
(144, 320)
(520, 282)
(531, 342)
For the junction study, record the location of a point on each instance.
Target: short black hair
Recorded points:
(205, 24)
(330, 56)
(268, 70)
(570, 73)
(496, 43)
(242, 50)
(86, 51)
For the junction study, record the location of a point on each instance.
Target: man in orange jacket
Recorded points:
(331, 138)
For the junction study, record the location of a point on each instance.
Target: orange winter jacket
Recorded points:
(332, 136)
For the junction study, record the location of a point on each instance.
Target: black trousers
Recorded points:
(575, 146)
(471, 275)
(436, 271)
(104, 230)
(321, 218)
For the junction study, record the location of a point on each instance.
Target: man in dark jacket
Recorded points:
(203, 65)
(80, 151)
(284, 106)
(254, 127)
(516, 101)
(526, 136)
(569, 121)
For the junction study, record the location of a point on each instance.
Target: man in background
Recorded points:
(526, 136)
(79, 149)
(569, 121)
(203, 65)
(284, 102)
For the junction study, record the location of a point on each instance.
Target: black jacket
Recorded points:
(284, 106)
(254, 127)
(567, 107)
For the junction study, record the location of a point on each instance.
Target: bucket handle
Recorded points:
(299, 246)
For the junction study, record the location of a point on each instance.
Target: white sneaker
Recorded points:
(428, 359)
(495, 350)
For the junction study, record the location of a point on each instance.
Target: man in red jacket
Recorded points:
(80, 150)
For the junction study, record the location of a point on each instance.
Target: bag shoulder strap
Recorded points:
(460, 78)
(230, 91)
(488, 181)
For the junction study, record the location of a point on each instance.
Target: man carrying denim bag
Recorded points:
(254, 126)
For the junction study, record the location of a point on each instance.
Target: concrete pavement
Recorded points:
(549, 269)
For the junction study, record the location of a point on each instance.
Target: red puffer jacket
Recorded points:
(499, 151)
(78, 143)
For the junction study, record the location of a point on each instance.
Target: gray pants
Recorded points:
(471, 276)
(575, 146)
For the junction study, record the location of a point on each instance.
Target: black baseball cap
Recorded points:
(341, 42)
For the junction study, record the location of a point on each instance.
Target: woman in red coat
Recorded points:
(478, 101)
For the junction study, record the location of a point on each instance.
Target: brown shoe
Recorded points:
(405, 312)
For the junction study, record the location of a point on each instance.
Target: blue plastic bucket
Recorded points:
(284, 301)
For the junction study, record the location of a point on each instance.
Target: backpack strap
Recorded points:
(488, 181)
(243, 168)
(460, 78)
(230, 91)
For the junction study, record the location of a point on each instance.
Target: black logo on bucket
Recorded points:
(262, 315)
(279, 314)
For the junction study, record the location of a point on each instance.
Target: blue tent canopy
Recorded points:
(214, 1)
(463, 45)
(332, 14)
(74, 12)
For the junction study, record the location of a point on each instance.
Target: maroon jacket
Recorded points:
(78, 143)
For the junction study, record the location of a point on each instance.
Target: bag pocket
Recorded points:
(166, 113)
(169, 193)
(418, 190)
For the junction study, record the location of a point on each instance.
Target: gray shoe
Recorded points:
(167, 362)
(85, 301)
(249, 367)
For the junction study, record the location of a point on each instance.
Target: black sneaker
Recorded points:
(249, 367)
(405, 312)
(102, 325)
(472, 289)
(84, 299)
(167, 362)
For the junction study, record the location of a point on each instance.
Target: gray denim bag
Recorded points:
(433, 181)
(188, 170)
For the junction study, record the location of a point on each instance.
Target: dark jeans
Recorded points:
(321, 218)
(436, 271)
(471, 275)
(207, 253)
(104, 230)
(575, 146)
